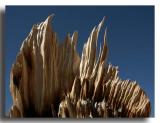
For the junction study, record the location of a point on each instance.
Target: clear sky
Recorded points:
(130, 37)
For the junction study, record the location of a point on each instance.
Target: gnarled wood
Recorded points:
(49, 79)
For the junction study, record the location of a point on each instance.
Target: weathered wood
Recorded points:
(49, 79)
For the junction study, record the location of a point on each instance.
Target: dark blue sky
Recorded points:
(130, 36)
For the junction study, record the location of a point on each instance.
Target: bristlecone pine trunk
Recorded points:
(49, 79)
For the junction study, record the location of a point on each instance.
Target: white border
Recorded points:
(157, 60)
(108, 2)
(79, 2)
